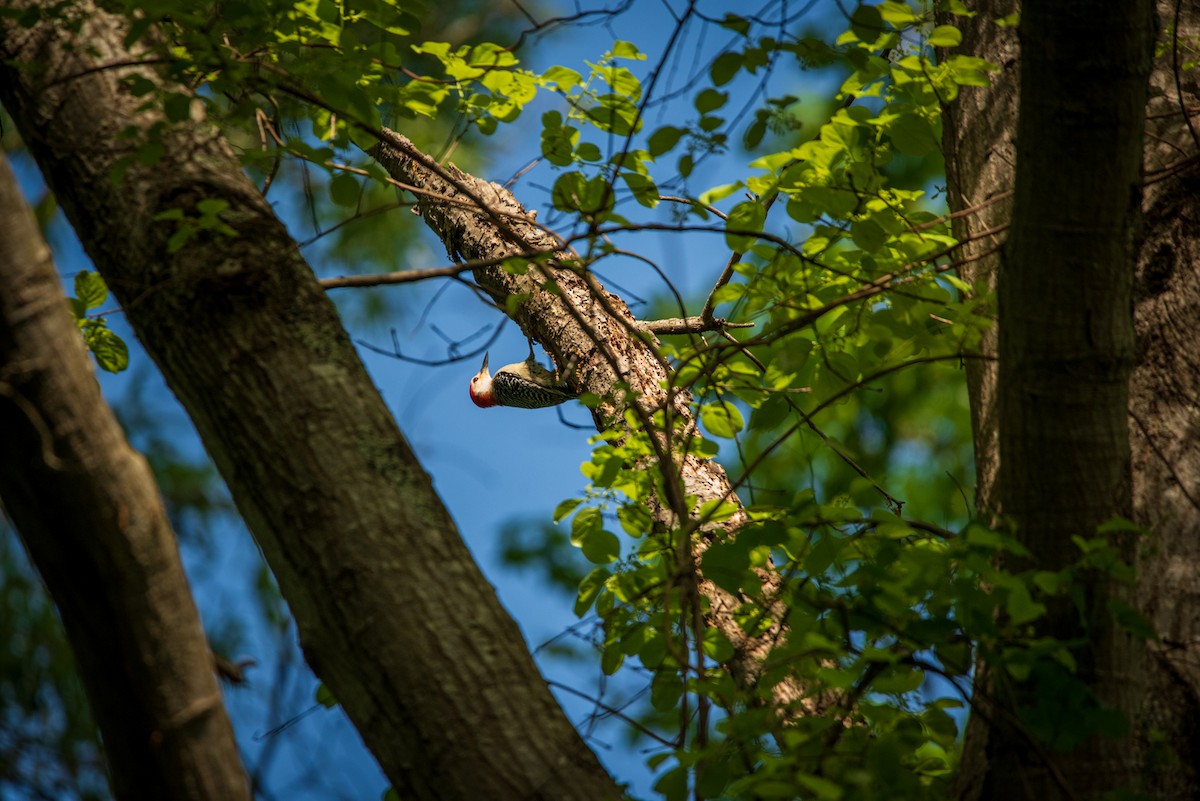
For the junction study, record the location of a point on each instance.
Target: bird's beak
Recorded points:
(481, 369)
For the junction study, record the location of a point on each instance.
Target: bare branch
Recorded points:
(688, 325)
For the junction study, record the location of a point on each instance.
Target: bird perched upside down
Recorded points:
(526, 385)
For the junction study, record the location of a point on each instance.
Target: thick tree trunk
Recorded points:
(88, 510)
(393, 614)
(1163, 421)
(1066, 353)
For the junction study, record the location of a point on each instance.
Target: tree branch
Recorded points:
(688, 325)
(580, 320)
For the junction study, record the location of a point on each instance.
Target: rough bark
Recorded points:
(392, 612)
(579, 321)
(1066, 353)
(1164, 418)
(978, 139)
(979, 143)
(86, 506)
(1163, 421)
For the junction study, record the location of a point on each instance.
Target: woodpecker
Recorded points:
(526, 385)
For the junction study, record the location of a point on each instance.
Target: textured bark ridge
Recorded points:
(1066, 355)
(88, 510)
(978, 139)
(1164, 412)
(479, 220)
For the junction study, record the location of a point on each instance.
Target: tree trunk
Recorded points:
(1163, 420)
(393, 614)
(88, 510)
(1066, 353)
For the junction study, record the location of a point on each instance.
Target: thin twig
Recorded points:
(688, 325)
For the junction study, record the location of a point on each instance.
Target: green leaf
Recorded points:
(344, 189)
(627, 50)
(867, 24)
(635, 519)
(970, 70)
(178, 107)
(565, 508)
(717, 192)
(745, 219)
(710, 100)
(588, 534)
(712, 778)
(664, 139)
(945, 36)
(686, 164)
(514, 302)
(868, 235)
(736, 23)
(722, 419)
(558, 142)
(109, 349)
(588, 152)
(725, 67)
(899, 679)
(1021, 606)
(562, 77)
(151, 153)
(587, 521)
(1131, 620)
(325, 697)
(716, 510)
(590, 589)
(645, 191)
(897, 13)
(611, 659)
(673, 785)
(755, 132)
(822, 789)
(90, 289)
(665, 690)
(726, 565)
(601, 547)
(912, 135)
(616, 114)
(716, 645)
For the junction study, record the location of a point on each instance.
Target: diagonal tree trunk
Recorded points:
(88, 510)
(393, 614)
